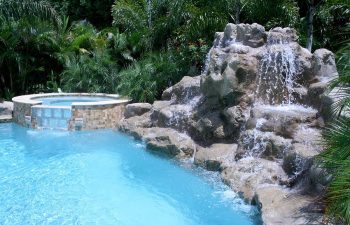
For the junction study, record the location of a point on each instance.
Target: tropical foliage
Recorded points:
(336, 158)
(48, 44)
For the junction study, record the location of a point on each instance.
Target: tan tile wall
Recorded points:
(94, 117)
(97, 117)
(20, 111)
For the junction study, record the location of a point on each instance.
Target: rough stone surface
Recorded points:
(169, 142)
(279, 206)
(324, 65)
(214, 156)
(183, 91)
(247, 174)
(136, 109)
(20, 111)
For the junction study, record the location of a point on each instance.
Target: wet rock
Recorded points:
(295, 165)
(210, 127)
(175, 116)
(324, 66)
(232, 78)
(247, 174)
(212, 157)
(283, 120)
(309, 136)
(135, 125)
(305, 150)
(158, 105)
(234, 116)
(265, 145)
(280, 206)
(169, 142)
(299, 159)
(252, 35)
(317, 98)
(182, 92)
(284, 113)
(136, 109)
(286, 35)
(315, 181)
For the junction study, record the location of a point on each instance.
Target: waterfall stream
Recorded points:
(278, 73)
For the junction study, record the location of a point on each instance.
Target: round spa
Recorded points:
(69, 111)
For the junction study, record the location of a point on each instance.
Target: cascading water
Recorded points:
(277, 81)
(278, 72)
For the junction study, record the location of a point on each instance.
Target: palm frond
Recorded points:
(13, 10)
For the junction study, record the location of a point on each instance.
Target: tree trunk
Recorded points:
(310, 25)
(149, 13)
(2, 79)
(238, 11)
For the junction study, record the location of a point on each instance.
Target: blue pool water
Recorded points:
(68, 100)
(104, 177)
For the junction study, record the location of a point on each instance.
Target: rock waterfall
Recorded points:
(255, 115)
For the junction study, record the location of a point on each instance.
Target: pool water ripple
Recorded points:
(104, 177)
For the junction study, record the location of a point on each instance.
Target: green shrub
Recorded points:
(145, 80)
(90, 73)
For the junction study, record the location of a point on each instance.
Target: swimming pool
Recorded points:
(69, 100)
(104, 177)
(69, 111)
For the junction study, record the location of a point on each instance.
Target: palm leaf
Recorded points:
(13, 10)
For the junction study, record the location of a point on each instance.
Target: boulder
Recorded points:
(284, 113)
(210, 127)
(232, 77)
(279, 206)
(169, 142)
(184, 91)
(135, 125)
(212, 157)
(324, 66)
(252, 35)
(283, 120)
(247, 174)
(318, 98)
(136, 109)
(265, 145)
(233, 116)
(175, 116)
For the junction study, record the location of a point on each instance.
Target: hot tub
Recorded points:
(69, 111)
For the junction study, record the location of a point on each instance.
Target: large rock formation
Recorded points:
(254, 115)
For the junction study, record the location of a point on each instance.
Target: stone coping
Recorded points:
(31, 99)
